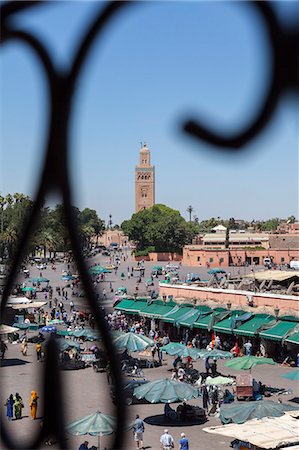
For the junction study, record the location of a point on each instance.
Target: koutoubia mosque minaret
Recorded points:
(144, 180)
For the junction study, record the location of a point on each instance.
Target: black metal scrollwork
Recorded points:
(284, 45)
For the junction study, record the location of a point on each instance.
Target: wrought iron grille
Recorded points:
(61, 84)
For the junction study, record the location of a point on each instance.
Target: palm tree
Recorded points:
(189, 210)
(9, 238)
(48, 241)
(9, 199)
(86, 234)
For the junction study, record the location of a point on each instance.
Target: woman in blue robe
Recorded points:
(9, 407)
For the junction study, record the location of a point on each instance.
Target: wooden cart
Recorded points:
(244, 386)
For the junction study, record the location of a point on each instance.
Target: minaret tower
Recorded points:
(144, 181)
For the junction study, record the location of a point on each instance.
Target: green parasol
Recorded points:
(174, 348)
(240, 413)
(64, 344)
(216, 270)
(39, 280)
(247, 362)
(219, 381)
(132, 342)
(28, 289)
(166, 391)
(215, 354)
(64, 333)
(97, 424)
(87, 333)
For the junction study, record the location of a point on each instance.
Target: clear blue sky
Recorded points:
(158, 63)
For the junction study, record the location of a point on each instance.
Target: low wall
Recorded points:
(236, 297)
(161, 256)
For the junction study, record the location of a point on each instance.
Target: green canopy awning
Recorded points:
(206, 322)
(293, 339)
(194, 314)
(157, 309)
(226, 325)
(278, 331)
(176, 314)
(251, 327)
(157, 268)
(131, 306)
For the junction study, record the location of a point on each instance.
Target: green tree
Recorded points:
(270, 224)
(160, 227)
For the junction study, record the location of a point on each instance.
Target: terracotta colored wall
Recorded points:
(160, 257)
(237, 298)
(238, 256)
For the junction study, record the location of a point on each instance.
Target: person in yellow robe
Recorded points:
(33, 404)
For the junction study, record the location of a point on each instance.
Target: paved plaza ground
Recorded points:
(86, 391)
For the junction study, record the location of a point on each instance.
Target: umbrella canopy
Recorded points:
(219, 381)
(64, 333)
(96, 270)
(240, 413)
(68, 277)
(174, 348)
(39, 280)
(49, 329)
(6, 329)
(292, 375)
(132, 342)
(64, 344)
(166, 391)
(91, 335)
(17, 300)
(215, 353)
(216, 270)
(28, 288)
(95, 424)
(247, 362)
(55, 322)
(26, 326)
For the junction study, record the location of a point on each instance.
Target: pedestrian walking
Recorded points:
(108, 369)
(184, 442)
(138, 432)
(207, 365)
(33, 404)
(18, 406)
(9, 407)
(104, 294)
(38, 348)
(166, 441)
(24, 347)
(214, 367)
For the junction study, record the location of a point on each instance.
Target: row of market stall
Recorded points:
(284, 329)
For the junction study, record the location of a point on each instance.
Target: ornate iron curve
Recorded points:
(284, 45)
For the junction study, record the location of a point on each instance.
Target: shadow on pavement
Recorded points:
(13, 362)
(294, 400)
(160, 420)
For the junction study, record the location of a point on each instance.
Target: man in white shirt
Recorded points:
(166, 441)
(248, 348)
